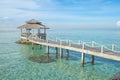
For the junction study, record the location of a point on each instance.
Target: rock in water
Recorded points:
(116, 76)
(23, 42)
(41, 59)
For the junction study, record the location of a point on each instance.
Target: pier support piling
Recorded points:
(82, 59)
(40, 46)
(67, 54)
(92, 61)
(61, 53)
(47, 49)
(32, 45)
(56, 49)
(113, 47)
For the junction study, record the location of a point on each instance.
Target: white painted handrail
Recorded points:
(92, 44)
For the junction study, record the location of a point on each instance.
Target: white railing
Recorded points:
(93, 44)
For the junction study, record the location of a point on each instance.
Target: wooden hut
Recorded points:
(30, 28)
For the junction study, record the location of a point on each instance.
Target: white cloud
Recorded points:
(42, 9)
(118, 23)
(14, 8)
(5, 17)
(52, 12)
(8, 4)
(25, 8)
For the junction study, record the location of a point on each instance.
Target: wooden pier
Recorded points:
(82, 47)
(92, 48)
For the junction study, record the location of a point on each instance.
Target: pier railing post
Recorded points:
(40, 37)
(47, 41)
(93, 44)
(83, 45)
(78, 42)
(102, 48)
(56, 40)
(69, 42)
(113, 47)
(60, 42)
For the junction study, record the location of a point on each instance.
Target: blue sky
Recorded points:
(61, 13)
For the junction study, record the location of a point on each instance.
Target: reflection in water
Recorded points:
(37, 55)
(116, 76)
(71, 68)
(41, 59)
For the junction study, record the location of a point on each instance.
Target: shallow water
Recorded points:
(16, 65)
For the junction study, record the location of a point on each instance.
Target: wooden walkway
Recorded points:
(84, 47)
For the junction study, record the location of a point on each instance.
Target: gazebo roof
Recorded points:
(33, 21)
(33, 24)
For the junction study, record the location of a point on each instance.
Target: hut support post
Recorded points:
(21, 33)
(33, 31)
(27, 31)
(67, 54)
(92, 59)
(39, 33)
(82, 58)
(61, 53)
(56, 49)
(44, 34)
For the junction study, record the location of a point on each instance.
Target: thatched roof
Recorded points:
(33, 21)
(33, 24)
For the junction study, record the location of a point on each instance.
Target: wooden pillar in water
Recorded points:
(82, 58)
(32, 45)
(56, 49)
(67, 54)
(83, 55)
(92, 61)
(40, 46)
(47, 49)
(61, 53)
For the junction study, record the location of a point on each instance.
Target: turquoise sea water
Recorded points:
(15, 63)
